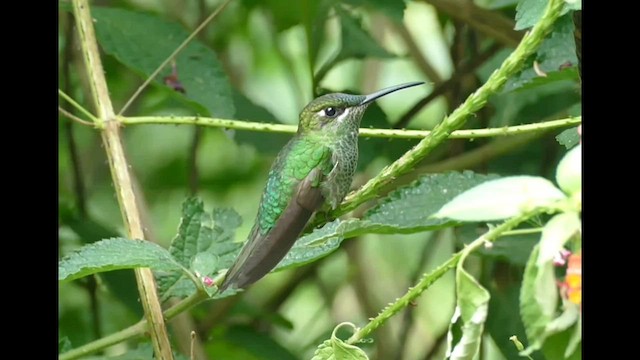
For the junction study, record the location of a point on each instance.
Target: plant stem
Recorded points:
(120, 174)
(430, 278)
(365, 132)
(530, 42)
(133, 331)
(404, 301)
(73, 117)
(77, 106)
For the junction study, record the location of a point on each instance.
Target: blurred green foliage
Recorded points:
(263, 61)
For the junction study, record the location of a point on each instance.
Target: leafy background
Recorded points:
(253, 63)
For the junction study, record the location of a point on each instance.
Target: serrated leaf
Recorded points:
(472, 305)
(555, 234)
(356, 42)
(142, 42)
(122, 284)
(569, 138)
(411, 207)
(501, 199)
(314, 245)
(406, 210)
(115, 254)
(200, 233)
(569, 171)
(556, 58)
(204, 264)
(336, 349)
(528, 12)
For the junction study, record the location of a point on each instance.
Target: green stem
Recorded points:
(365, 132)
(136, 330)
(430, 278)
(405, 300)
(122, 179)
(78, 106)
(523, 231)
(131, 332)
(530, 42)
(73, 117)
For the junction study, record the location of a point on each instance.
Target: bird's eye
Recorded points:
(330, 111)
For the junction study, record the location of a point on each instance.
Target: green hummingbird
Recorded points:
(314, 169)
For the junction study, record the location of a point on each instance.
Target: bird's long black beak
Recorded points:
(380, 93)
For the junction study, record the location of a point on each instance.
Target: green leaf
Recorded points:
(556, 57)
(504, 320)
(573, 4)
(114, 254)
(555, 346)
(204, 264)
(336, 349)
(315, 245)
(394, 9)
(538, 299)
(569, 138)
(410, 208)
(64, 345)
(406, 210)
(514, 249)
(555, 234)
(569, 172)
(529, 12)
(122, 284)
(575, 340)
(204, 241)
(356, 42)
(501, 199)
(142, 42)
(471, 305)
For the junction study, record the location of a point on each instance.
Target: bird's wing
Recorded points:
(263, 251)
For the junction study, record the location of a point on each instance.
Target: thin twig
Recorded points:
(75, 118)
(172, 56)
(78, 106)
(364, 132)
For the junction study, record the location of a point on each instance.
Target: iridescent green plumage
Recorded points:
(316, 167)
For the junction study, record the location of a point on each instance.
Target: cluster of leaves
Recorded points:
(204, 245)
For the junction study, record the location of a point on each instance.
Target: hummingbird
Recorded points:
(313, 170)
